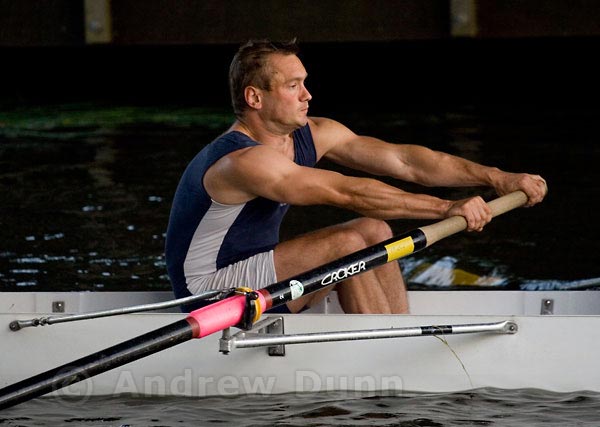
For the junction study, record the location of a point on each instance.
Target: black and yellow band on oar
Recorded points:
(413, 242)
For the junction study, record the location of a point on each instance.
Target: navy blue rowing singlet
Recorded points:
(203, 235)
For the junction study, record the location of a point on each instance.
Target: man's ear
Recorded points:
(253, 97)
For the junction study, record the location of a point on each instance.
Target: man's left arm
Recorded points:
(427, 167)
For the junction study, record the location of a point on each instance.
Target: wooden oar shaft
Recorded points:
(102, 361)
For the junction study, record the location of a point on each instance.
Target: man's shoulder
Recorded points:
(317, 122)
(326, 126)
(328, 133)
(227, 144)
(249, 158)
(233, 138)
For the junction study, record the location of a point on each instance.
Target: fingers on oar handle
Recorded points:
(456, 224)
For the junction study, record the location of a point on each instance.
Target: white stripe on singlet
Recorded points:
(200, 266)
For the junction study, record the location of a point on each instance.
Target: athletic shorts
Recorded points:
(255, 272)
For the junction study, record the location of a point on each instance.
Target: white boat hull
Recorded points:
(551, 352)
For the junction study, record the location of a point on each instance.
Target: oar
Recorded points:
(243, 309)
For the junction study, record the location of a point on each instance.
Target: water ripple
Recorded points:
(482, 407)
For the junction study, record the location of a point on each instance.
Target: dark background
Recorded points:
(508, 83)
(411, 55)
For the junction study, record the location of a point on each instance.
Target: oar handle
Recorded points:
(456, 224)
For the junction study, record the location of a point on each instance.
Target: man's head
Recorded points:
(250, 67)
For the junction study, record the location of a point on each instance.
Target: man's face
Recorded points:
(287, 101)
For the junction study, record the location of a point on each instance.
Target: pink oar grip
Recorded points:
(220, 315)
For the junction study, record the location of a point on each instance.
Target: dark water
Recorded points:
(86, 191)
(483, 407)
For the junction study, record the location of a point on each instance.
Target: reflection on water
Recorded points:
(86, 193)
(482, 407)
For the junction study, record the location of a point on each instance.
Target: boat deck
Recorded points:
(519, 303)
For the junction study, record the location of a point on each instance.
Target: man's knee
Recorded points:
(361, 233)
(352, 240)
(372, 230)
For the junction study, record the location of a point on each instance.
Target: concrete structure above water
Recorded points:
(157, 22)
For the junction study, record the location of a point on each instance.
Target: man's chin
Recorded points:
(304, 120)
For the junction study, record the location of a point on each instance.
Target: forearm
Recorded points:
(433, 168)
(376, 199)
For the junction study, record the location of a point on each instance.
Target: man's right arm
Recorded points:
(262, 171)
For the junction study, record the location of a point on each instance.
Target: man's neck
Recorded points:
(262, 134)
